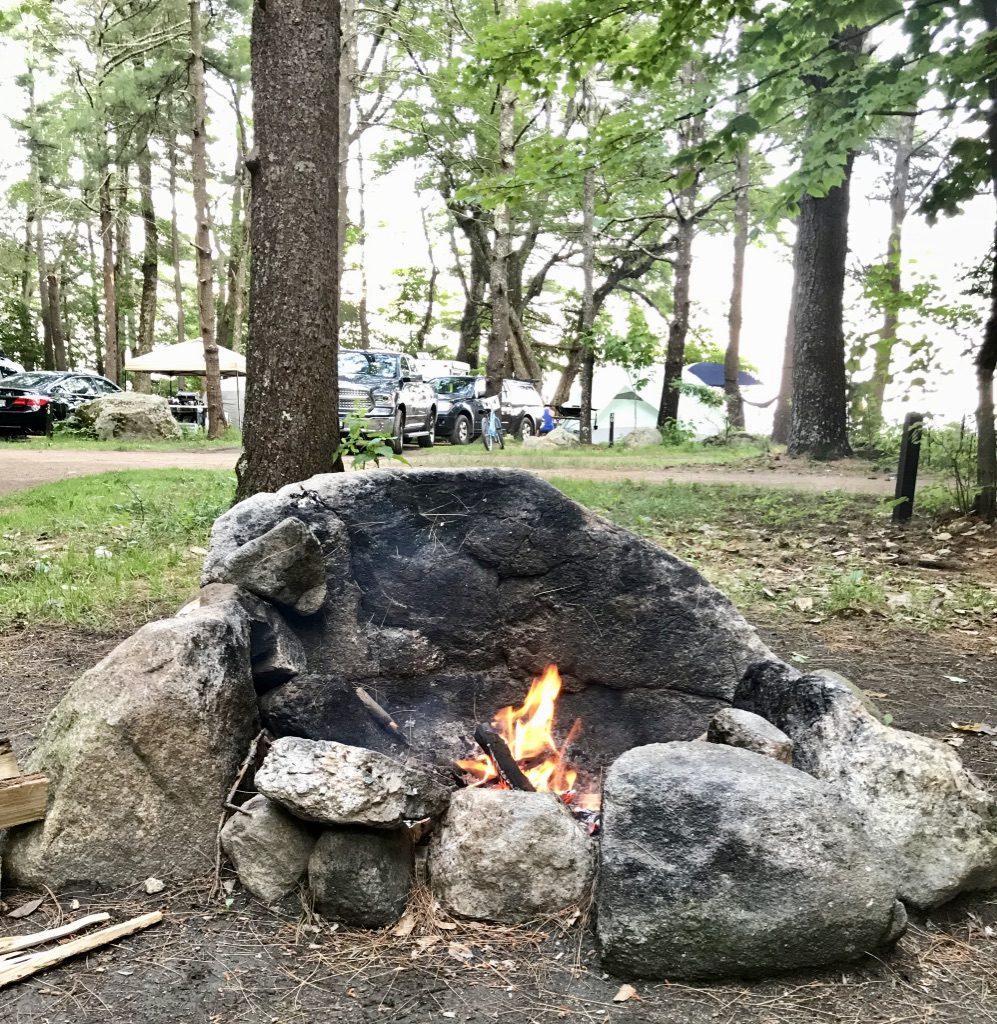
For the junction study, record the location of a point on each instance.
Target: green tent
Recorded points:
(631, 412)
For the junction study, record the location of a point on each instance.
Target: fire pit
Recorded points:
(384, 628)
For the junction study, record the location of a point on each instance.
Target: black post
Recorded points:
(612, 425)
(910, 456)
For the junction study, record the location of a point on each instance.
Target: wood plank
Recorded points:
(8, 762)
(41, 961)
(12, 943)
(22, 799)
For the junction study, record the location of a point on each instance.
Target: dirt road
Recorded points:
(23, 466)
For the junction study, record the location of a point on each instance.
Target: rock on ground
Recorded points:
(361, 877)
(283, 564)
(453, 588)
(268, 848)
(505, 856)
(934, 820)
(129, 414)
(334, 784)
(558, 438)
(717, 862)
(140, 754)
(737, 728)
(643, 437)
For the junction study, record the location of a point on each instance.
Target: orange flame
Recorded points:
(529, 734)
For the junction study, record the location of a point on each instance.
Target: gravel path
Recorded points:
(22, 466)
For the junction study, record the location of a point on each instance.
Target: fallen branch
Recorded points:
(36, 962)
(13, 943)
(254, 746)
(383, 719)
(495, 747)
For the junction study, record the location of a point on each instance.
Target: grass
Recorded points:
(113, 550)
(194, 440)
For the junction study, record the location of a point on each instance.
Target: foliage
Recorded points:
(364, 446)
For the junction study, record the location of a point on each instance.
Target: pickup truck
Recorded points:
(389, 392)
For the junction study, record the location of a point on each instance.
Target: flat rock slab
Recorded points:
(268, 848)
(335, 784)
(717, 862)
(361, 877)
(933, 819)
(505, 856)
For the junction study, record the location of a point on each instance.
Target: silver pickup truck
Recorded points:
(387, 390)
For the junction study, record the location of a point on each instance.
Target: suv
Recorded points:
(388, 391)
(459, 417)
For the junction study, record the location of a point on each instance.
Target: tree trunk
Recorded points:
(500, 336)
(588, 270)
(45, 309)
(171, 146)
(732, 357)
(98, 344)
(819, 423)
(784, 406)
(347, 79)
(230, 301)
(986, 358)
(291, 429)
(125, 307)
(362, 312)
(419, 339)
(150, 265)
(202, 238)
(112, 369)
(28, 334)
(55, 317)
(476, 233)
(678, 329)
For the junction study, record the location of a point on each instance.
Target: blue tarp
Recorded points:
(712, 374)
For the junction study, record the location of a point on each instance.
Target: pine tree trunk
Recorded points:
(819, 426)
(588, 272)
(362, 312)
(67, 325)
(291, 429)
(55, 318)
(732, 357)
(678, 329)
(347, 78)
(202, 238)
(230, 300)
(171, 146)
(125, 308)
(500, 336)
(45, 310)
(112, 369)
(150, 266)
(29, 336)
(95, 334)
(784, 405)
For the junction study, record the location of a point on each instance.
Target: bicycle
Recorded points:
(491, 425)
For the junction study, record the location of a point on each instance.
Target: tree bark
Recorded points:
(784, 405)
(362, 311)
(45, 309)
(150, 265)
(171, 148)
(55, 318)
(202, 238)
(228, 321)
(29, 336)
(95, 334)
(732, 357)
(588, 271)
(472, 224)
(112, 368)
(678, 329)
(347, 80)
(125, 302)
(291, 429)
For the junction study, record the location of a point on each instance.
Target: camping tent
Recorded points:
(630, 412)
(186, 360)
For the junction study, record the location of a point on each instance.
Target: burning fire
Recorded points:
(528, 732)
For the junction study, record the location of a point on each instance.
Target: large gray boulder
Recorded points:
(129, 415)
(335, 784)
(717, 862)
(361, 877)
(140, 754)
(506, 856)
(453, 588)
(643, 437)
(283, 564)
(933, 818)
(268, 848)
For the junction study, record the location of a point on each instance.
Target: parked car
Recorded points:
(387, 389)
(459, 415)
(31, 402)
(8, 367)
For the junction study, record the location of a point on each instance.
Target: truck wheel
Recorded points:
(429, 439)
(398, 435)
(463, 432)
(526, 428)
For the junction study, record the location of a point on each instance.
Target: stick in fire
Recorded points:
(496, 748)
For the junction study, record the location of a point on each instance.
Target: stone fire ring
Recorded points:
(793, 836)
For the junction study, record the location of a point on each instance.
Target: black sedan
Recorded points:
(31, 402)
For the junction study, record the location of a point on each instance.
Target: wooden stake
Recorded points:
(15, 942)
(22, 799)
(383, 719)
(41, 961)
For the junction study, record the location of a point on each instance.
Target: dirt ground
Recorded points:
(230, 960)
(23, 466)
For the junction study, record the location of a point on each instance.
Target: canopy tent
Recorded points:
(186, 360)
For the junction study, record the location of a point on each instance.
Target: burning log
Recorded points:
(383, 719)
(496, 748)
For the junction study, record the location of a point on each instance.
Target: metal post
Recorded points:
(910, 456)
(612, 427)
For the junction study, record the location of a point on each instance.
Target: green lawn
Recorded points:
(193, 440)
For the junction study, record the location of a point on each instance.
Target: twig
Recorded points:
(250, 757)
(495, 747)
(381, 716)
(13, 943)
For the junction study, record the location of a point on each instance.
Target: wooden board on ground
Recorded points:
(22, 799)
(8, 763)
